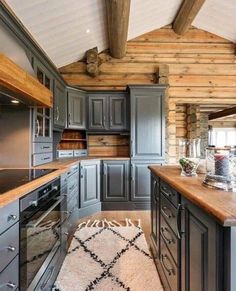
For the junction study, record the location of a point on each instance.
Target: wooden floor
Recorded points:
(120, 217)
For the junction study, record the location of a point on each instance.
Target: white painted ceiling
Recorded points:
(65, 29)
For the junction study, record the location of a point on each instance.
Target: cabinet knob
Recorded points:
(66, 233)
(11, 285)
(11, 248)
(12, 217)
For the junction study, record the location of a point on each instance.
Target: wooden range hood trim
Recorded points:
(27, 88)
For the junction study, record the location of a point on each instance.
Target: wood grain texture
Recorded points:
(185, 16)
(18, 81)
(218, 204)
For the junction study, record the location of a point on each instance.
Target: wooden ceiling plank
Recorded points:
(185, 16)
(117, 25)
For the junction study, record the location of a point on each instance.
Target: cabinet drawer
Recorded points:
(73, 169)
(39, 159)
(73, 202)
(72, 185)
(169, 212)
(47, 280)
(9, 245)
(65, 154)
(9, 215)
(9, 276)
(42, 147)
(170, 269)
(80, 153)
(169, 193)
(170, 239)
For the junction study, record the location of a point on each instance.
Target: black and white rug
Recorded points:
(107, 256)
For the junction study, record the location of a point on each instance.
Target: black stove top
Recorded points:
(13, 178)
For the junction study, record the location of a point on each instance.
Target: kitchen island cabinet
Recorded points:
(194, 247)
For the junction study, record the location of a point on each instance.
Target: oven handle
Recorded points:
(46, 213)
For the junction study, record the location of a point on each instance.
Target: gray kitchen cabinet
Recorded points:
(155, 212)
(59, 107)
(115, 181)
(140, 180)
(97, 114)
(108, 111)
(147, 122)
(89, 182)
(76, 109)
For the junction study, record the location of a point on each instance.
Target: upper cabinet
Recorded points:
(76, 109)
(107, 111)
(147, 122)
(59, 108)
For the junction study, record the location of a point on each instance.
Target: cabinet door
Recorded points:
(115, 180)
(97, 112)
(147, 123)
(76, 109)
(59, 110)
(140, 181)
(118, 112)
(200, 250)
(89, 183)
(155, 214)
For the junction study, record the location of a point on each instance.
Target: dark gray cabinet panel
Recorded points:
(59, 108)
(200, 250)
(118, 112)
(147, 122)
(89, 183)
(140, 181)
(155, 211)
(115, 180)
(76, 109)
(97, 112)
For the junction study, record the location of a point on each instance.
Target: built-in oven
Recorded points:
(41, 217)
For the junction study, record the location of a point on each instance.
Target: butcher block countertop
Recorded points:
(219, 204)
(60, 164)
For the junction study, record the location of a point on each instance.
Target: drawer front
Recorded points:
(72, 222)
(80, 153)
(170, 269)
(65, 154)
(39, 159)
(169, 193)
(47, 280)
(170, 239)
(73, 202)
(73, 169)
(9, 245)
(9, 215)
(9, 276)
(73, 184)
(169, 212)
(42, 147)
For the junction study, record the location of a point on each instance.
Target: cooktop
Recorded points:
(13, 178)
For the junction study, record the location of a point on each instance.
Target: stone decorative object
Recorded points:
(189, 156)
(221, 168)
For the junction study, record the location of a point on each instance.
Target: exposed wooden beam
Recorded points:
(117, 23)
(185, 16)
(223, 113)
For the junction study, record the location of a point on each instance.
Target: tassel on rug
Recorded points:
(112, 223)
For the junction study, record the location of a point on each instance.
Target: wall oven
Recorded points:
(41, 217)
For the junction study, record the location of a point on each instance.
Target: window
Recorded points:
(221, 137)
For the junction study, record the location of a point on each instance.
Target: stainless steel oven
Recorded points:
(42, 214)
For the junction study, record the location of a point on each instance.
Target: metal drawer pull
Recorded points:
(169, 239)
(164, 192)
(11, 248)
(9, 284)
(66, 233)
(179, 231)
(163, 210)
(45, 147)
(49, 275)
(169, 270)
(12, 217)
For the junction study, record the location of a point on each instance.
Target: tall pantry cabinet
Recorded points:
(147, 136)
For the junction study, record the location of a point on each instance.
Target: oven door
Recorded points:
(40, 238)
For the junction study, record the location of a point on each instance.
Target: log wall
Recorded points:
(202, 70)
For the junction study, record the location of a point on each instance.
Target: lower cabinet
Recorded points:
(89, 182)
(140, 181)
(115, 180)
(155, 213)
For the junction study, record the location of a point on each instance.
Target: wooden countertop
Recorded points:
(60, 164)
(219, 204)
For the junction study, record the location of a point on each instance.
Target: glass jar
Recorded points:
(189, 156)
(221, 168)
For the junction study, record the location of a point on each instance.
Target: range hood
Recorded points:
(17, 78)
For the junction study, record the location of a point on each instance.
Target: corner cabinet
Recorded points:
(59, 108)
(147, 112)
(76, 109)
(108, 111)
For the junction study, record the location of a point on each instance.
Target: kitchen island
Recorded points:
(193, 232)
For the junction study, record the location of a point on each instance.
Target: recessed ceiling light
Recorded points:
(15, 101)
(88, 30)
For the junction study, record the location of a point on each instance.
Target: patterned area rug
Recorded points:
(107, 256)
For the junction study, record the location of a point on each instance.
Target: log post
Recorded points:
(117, 23)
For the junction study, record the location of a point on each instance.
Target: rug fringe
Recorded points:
(109, 223)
